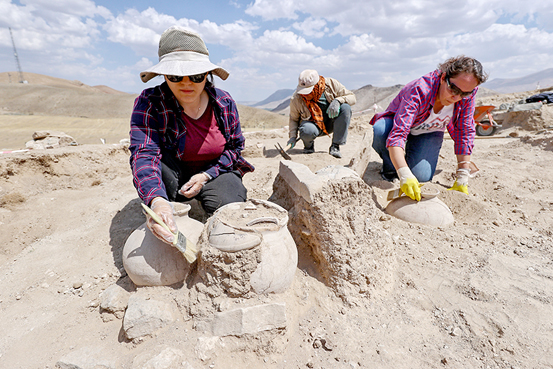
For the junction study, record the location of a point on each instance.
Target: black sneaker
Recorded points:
(389, 176)
(334, 150)
(309, 149)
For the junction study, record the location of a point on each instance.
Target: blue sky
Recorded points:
(265, 44)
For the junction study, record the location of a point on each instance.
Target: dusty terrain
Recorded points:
(475, 294)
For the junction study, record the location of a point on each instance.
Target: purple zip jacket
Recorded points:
(412, 106)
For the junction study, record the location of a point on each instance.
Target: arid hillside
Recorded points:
(47, 103)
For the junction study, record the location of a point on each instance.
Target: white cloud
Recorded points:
(138, 30)
(141, 31)
(513, 49)
(80, 8)
(236, 35)
(380, 42)
(392, 20)
(312, 27)
(387, 42)
(44, 25)
(270, 9)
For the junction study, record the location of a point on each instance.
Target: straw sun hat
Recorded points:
(182, 53)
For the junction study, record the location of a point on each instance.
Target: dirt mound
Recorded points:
(529, 120)
(544, 141)
(341, 229)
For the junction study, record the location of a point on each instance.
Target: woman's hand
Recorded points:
(462, 181)
(194, 185)
(163, 208)
(409, 183)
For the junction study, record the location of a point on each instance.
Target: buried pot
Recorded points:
(249, 248)
(151, 262)
(430, 211)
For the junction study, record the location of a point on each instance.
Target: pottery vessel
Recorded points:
(429, 211)
(151, 262)
(255, 227)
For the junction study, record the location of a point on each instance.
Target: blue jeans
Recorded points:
(421, 151)
(308, 130)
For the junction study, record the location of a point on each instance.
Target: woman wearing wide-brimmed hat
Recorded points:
(186, 139)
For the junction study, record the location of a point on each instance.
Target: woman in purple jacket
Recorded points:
(186, 139)
(409, 134)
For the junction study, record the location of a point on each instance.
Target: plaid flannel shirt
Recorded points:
(156, 123)
(412, 106)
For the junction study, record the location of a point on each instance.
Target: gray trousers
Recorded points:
(338, 127)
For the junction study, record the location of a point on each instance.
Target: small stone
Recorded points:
(327, 345)
(77, 285)
(456, 332)
(18, 297)
(317, 344)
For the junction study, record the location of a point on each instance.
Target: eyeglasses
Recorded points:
(456, 90)
(196, 78)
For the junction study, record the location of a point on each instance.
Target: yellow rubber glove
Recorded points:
(409, 184)
(461, 183)
(461, 188)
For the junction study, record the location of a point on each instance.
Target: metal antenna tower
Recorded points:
(21, 80)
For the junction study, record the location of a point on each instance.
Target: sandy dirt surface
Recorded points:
(474, 294)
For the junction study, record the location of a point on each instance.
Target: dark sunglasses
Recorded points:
(196, 78)
(456, 90)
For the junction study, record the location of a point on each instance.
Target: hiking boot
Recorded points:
(309, 149)
(334, 150)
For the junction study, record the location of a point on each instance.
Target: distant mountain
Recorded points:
(530, 82)
(282, 106)
(40, 79)
(274, 100)
(367, 96)
(51, 96)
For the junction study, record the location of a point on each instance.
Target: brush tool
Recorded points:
(180, 241)
(394, 194)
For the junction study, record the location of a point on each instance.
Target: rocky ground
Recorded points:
(472, 294)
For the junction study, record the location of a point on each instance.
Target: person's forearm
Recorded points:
(463, 161)
(397, 155)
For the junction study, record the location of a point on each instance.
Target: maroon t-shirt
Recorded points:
(204, 141)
